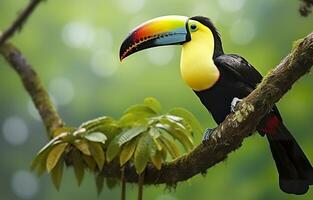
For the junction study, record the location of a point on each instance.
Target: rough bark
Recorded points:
(33, 86)
(229, 135)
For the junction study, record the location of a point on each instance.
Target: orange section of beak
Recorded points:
(160, 31)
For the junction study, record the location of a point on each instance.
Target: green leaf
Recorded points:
(54, 155)
(173, 121)
(183, 139)
(155, 156)
(179, 121)
(142, 153)
(188, 117)
(164, 153)
(131, 119)
(82, 146)
(99, 183)
(78, 165)
(155, 134)
(153, 104)
(111, 182)
(127, 151)
(96, 137)
(52, 142)
(128, 119)
(141, 110)
(90, 162)
(61, 130)
(174, 117)
(157, 160)
(113, 148)
(110, 131)
(170, 146)
(97, 122)
(97, 153)
(129, 134)
(57, 173)
(178, 133)
(39, 162)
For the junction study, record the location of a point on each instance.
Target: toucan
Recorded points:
(220, 81)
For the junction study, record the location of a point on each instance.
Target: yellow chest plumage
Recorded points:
(197, 66)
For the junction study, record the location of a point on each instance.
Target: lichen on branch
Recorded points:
(33, 86)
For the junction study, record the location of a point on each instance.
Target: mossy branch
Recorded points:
(229, 135)
(34, 87)
(226, 138)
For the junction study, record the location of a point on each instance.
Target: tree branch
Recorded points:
(229, 135)
(19, 21)
(226, 138)
(34, 87)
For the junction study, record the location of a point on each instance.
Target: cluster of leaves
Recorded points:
(141, 136)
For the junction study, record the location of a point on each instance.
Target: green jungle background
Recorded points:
(74, 45)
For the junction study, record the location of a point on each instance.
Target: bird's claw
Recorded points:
(207, 133)
(233, 104)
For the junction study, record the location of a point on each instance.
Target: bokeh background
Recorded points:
(74, 44)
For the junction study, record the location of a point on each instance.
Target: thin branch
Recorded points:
(140, 185)
(123, 184)
(306, 7)
(19, 21)
(33, 85)
(230, 134)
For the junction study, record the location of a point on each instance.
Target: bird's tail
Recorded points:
(295, 170)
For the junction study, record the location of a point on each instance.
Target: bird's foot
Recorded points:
(207, 133)
(234, 103)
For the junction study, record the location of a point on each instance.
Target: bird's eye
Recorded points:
(193, 27)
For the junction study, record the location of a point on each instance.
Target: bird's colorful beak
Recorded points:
(167, 30)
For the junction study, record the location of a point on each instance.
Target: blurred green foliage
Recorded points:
(74, 45)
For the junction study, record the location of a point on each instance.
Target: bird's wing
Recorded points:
(239, 68)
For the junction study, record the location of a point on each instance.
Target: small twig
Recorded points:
(141, 179)
(34, 87)
(19, 21)
(123, 184)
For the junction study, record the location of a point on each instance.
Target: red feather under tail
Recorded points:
(295, 170)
